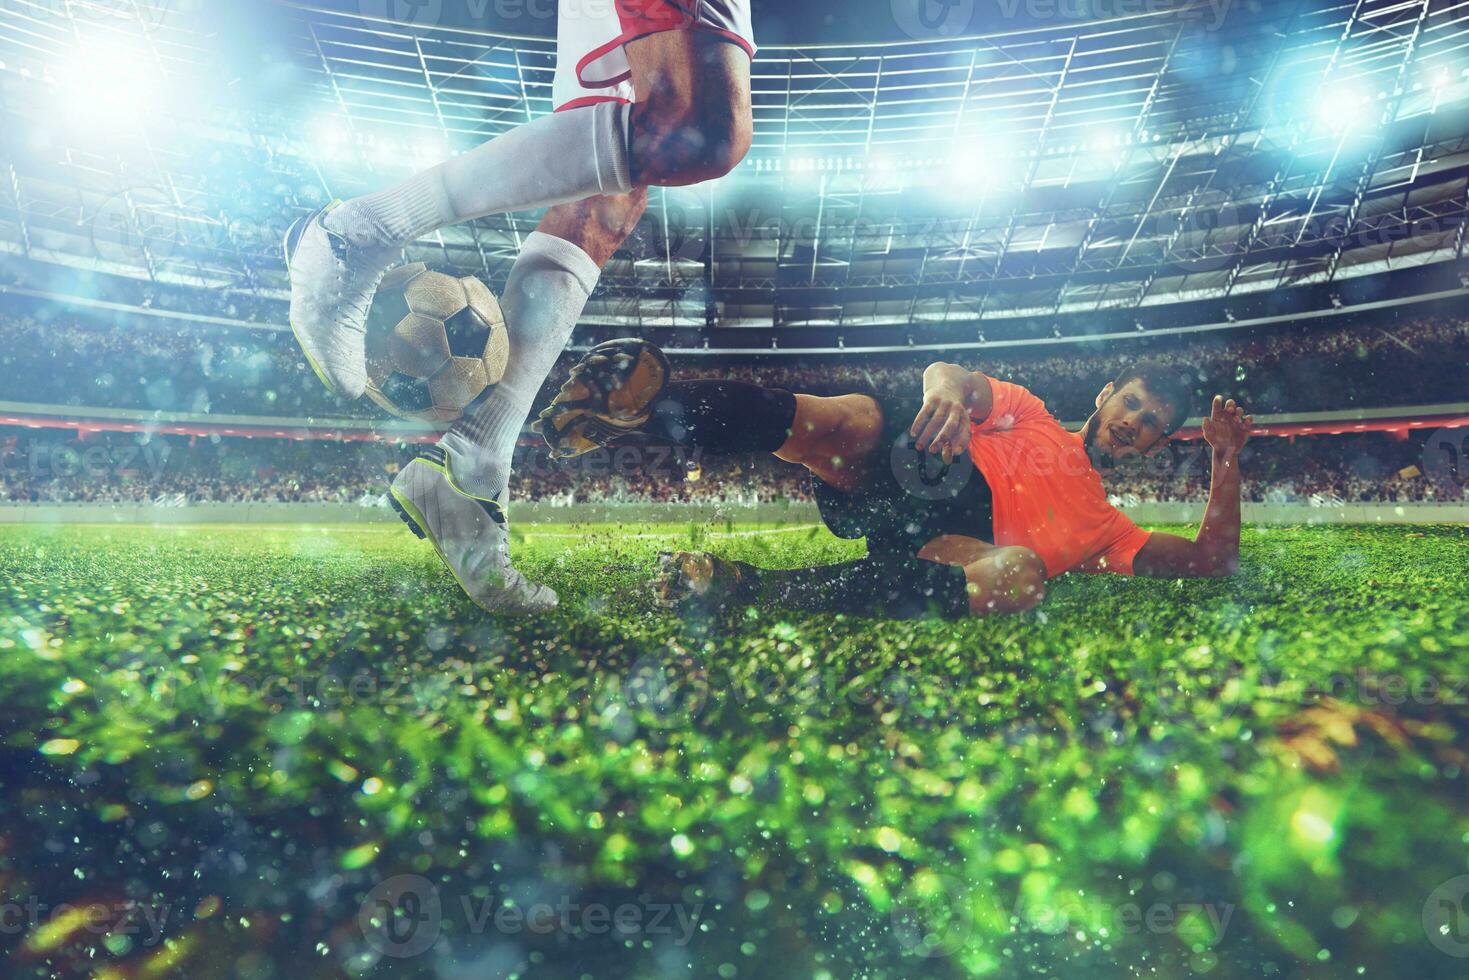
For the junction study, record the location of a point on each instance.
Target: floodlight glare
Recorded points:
(978, 164)
(108, 83)
(1341, 108)
(331, 138)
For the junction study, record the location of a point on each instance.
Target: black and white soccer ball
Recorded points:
(435, 343)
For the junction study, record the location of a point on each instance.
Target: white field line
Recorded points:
(784, 529)
(365, 528)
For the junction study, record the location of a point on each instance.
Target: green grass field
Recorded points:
(255, 734)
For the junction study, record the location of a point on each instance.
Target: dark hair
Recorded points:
(1171, 384)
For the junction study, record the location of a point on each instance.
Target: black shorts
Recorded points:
(907, 498)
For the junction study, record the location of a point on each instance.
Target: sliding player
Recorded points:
(648, 92)
(943, 534)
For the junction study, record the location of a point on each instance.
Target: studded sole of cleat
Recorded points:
(405, 516)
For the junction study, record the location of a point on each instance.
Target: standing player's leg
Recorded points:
(543, 299)
(454, 493)
(691, 122)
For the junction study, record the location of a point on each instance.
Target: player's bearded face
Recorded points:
(1130, 423)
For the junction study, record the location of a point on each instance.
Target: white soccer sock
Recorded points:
(565, 156)
(544, 297)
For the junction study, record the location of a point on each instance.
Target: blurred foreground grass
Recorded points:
(256, 734)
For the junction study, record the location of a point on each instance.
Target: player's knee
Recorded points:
(1025, 577)
(714, 144)
(727, 142)
(811, 430)
(1007, 580)
(848, 428)
(692, 139)
(859, 427)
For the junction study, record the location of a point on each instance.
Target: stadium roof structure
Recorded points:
(1188, 153)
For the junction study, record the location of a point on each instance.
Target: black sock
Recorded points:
(724, 416)
(895, 588)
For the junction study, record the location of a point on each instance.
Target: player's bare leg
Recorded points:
(692, 120)
(1000, 579)
(833, 438)
(691, 123)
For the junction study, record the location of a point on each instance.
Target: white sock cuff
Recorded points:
(610, 122)
(539, 246)
(407, 211)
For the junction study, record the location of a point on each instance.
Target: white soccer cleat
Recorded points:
(332, 285)
(470, 534)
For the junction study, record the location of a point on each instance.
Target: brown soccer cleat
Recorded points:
(607, 399)
(696, 580)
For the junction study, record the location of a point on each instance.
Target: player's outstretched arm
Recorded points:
(952, 395)
(1215, 549)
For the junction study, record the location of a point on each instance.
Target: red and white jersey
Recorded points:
(591, 63)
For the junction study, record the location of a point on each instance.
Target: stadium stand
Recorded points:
(57, 467)
(1389, 361)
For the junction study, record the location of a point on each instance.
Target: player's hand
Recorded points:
(1227, 427)
(942, 424)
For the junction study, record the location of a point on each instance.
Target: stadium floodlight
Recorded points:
(978, 165)
(1341, 107)
(108, 83)
(801, 169)
(1103, 148)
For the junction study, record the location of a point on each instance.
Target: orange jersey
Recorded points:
(1047, 495)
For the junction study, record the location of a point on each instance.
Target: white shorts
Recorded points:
(591, 62)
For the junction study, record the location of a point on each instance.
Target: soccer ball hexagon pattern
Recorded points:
(435, 343)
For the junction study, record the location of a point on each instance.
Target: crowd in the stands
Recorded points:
(1371, 467)
(177, 370)
(1416, 362)
(56, 467)
(190, 369)
(187, 368)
